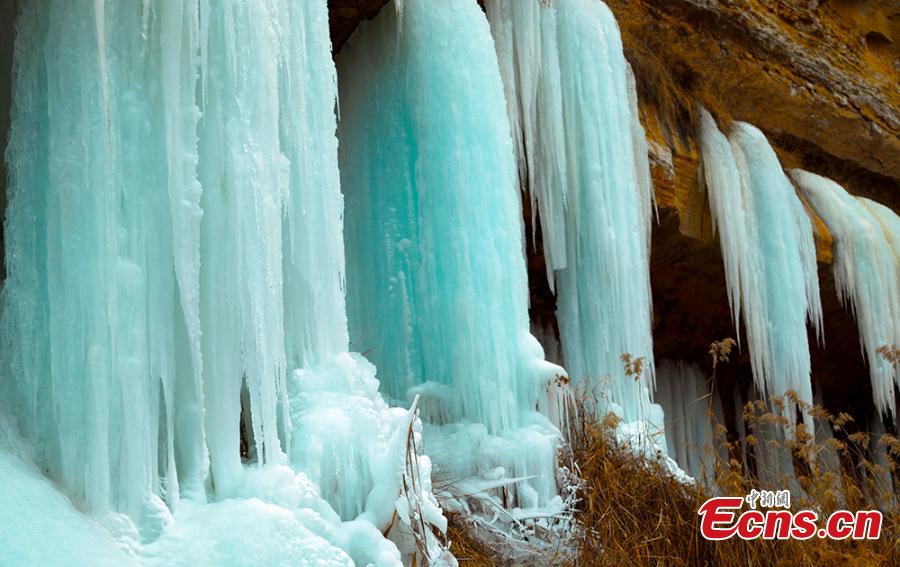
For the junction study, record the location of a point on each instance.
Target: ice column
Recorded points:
(770, 259)
(582, 159)
(437, 292)
(174, 241)
(90, 306)
(865, 275)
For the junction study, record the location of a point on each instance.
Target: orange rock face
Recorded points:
(820, 77)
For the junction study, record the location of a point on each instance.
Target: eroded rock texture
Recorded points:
(820, 78)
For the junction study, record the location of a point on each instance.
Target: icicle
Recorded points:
(729, 218)
(244, 176)
(100, 29)
(437, 283)
(770, 261)
(865, 276)
(582, 158)
(81, 241)
(525, 39)
(641, 159)
(179, 45)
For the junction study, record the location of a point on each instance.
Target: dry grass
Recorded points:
(468, 549)
(633, 512)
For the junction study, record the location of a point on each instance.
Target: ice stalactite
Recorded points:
(693, 410)
(865, 275)
(437, 288)
(180, 44)
(770, 258)
(174, 245)
(771, 449)
(582, 159)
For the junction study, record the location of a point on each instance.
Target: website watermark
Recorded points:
(768, 516)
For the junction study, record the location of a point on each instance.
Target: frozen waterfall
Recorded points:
(582, 158)
(693, 411)
(267, 304)
(174, 325)
(437, 288)
(865, 275)
(770, 259)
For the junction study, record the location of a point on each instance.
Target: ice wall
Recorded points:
(583, 160)
(174, 244)
(693, 410)
(865, 274)
(770, 259)
(437, 289)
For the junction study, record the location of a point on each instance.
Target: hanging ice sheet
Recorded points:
(582, 158)
(437, 284)
(865, 275)
(770, 258)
